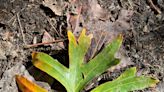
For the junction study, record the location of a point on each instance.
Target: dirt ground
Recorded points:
(23, 24)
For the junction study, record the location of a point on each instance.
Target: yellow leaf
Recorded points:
(71, 38)
(28, 86)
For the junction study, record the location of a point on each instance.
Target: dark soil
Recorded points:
(23, 20)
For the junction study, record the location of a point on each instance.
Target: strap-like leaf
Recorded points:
(128, 81)
(103, 60)
(51, 66)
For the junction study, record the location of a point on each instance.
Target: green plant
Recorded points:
(79, 73)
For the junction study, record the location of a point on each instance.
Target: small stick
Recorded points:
(21, 29)
(38, 44)
(154, 7)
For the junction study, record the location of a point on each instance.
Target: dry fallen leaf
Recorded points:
(55, 5)
(97, 11)
(47, 37)
(125, 15)
(122, 23)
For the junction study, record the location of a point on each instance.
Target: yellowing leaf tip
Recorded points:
(26, 85)
(34, 54)
(120, 37)
(70, 34)
(84, 31)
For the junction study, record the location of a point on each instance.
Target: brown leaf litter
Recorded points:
(97, 21)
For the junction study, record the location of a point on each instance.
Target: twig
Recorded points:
(38, 44)
(21, 29)
(154, 7)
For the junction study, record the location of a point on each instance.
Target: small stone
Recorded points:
(2, 54)
(145, 29)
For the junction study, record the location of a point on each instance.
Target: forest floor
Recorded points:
(41, 25)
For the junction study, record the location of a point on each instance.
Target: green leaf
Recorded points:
(103, 60)
(76, 56)
(51, 66)
(128, 81)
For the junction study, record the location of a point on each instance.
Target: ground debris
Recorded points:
(8, 83)
(57, 6)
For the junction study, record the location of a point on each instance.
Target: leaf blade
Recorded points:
(127, 82)
(28, 86)
(77, 53)
(107, 58)
(51, 66)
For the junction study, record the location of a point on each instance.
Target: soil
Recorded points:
(23, 22)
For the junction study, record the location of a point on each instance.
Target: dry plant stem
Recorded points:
(38, 44)
(99, 45)
(21, 29)
(154, 7)
(102, 42)
(94, 52)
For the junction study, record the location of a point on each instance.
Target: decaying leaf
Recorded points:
(47, 38)
(97, 11)
(122, 23)
(28, 86)
(105, 31)
(55, 5)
